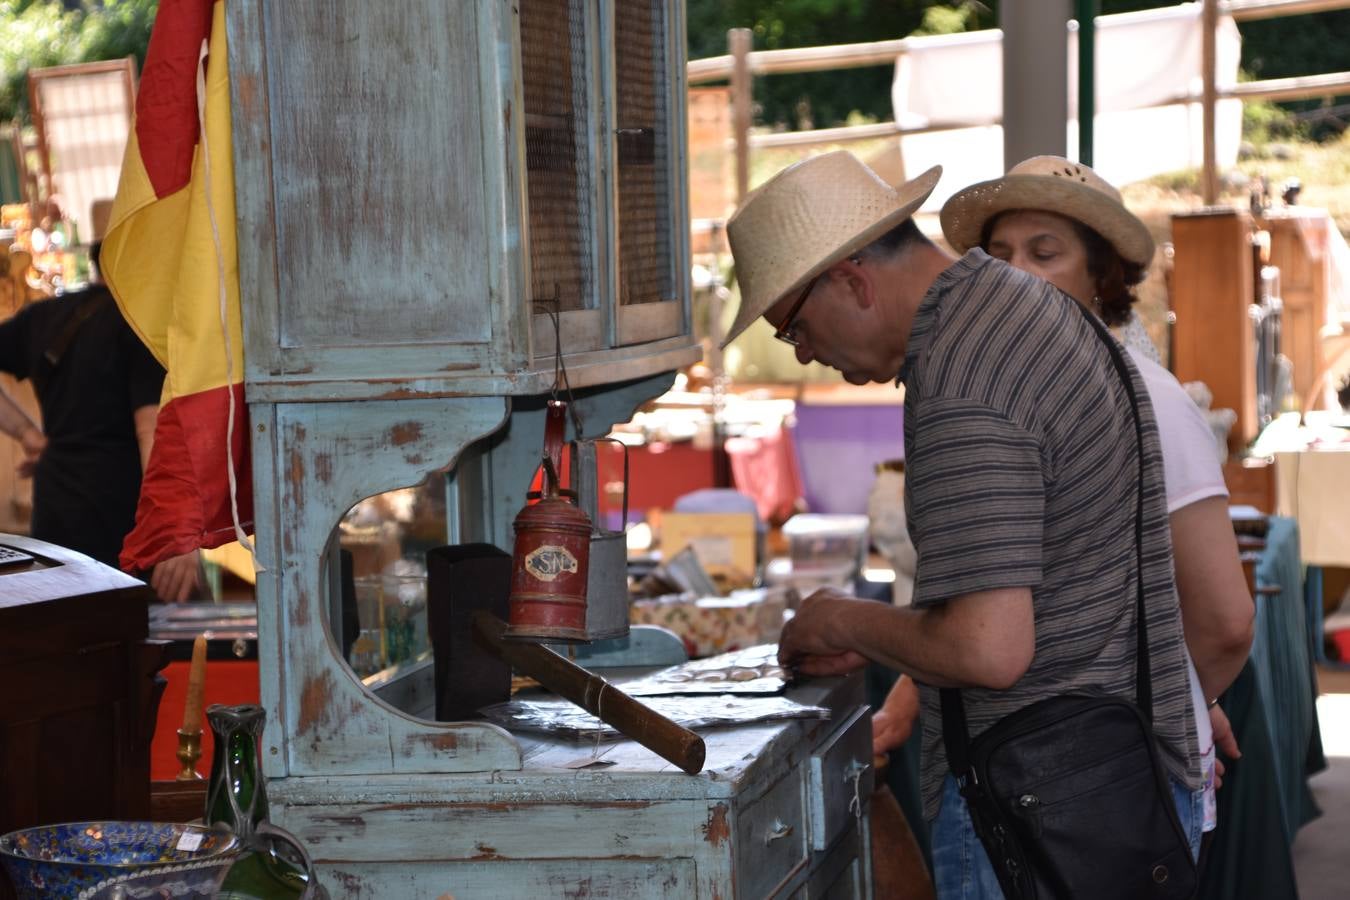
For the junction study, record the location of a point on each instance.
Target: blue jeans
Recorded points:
(961, 870)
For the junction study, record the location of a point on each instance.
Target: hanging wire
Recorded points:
(552, 307)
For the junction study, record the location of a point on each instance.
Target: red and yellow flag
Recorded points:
(169, 258)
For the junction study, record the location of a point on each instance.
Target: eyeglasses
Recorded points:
(787, 330)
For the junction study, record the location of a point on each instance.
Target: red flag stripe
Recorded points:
(166, 102)
(187, 504)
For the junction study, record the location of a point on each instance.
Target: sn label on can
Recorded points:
(550, 561)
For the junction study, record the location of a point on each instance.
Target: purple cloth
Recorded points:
(838, 448)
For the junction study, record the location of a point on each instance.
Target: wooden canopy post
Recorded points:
(1209, 24)
(742, 100)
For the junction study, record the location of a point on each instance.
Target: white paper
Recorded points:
(190, 841)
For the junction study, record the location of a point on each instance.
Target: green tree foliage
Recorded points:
(811, 99)
(1302, 45)
(1271, 48)
(39, 33)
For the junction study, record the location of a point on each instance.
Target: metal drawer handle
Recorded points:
(855, 772)
(780, 830)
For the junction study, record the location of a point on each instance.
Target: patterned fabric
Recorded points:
(1135, 338)
(1022, 471)
(712, 625)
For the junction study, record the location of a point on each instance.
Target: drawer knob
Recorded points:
(779, 830)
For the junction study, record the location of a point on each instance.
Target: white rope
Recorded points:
(224, 308)
(855, 805)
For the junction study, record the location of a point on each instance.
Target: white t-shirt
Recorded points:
(1191, 470)
(1190, 464)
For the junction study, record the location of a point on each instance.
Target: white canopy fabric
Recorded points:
(1148, 119)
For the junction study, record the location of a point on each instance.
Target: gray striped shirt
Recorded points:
(1022, 471)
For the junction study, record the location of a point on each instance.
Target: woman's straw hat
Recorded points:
(1052, 184)
(807, 218)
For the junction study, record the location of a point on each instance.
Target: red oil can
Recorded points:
(552, 553)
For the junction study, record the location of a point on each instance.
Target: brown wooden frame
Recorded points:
(36, 77)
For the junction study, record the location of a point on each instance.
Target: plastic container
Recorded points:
(817, 541)
(780, 573)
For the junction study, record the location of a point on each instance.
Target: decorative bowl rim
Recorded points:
(230, 845)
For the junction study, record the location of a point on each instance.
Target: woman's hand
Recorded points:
(1225, 742)
(177, 578)
(894, 722)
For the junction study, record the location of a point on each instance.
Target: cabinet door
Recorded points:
(650, 237)
(371, 156)
(605, 156)
(563, 178)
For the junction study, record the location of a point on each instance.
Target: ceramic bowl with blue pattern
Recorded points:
(56, 862)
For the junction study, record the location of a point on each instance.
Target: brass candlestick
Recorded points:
(189, 751)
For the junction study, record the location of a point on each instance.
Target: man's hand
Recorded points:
(175, 579)
(33, 443)
(812, 641)
(1224, 741)
(893, 723)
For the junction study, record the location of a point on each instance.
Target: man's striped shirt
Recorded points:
(1022, 470)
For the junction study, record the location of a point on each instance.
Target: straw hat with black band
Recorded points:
(805, 219)
(1052, 184)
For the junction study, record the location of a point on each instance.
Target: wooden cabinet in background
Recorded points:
(1212, 288)
(80, 690)
(1298, 248)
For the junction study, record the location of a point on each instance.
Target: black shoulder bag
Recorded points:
(1069, 796)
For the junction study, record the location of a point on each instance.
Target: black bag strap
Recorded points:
(955, 730)
(53, 353)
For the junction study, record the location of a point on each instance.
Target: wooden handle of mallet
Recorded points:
(594, 694)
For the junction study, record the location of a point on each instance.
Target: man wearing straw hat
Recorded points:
(1021, 473)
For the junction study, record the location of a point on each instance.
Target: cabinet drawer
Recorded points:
(844, 872)
(770, 839)
(841, 778)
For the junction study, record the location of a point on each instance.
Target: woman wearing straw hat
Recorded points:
(1021, 462)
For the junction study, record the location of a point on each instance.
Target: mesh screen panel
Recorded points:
(553, 59)
(646, 217)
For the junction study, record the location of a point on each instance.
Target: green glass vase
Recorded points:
(236, 796)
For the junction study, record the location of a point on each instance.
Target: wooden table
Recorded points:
(1312, 469)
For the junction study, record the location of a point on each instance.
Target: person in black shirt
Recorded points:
(98, 387)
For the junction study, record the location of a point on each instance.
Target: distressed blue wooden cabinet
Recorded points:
(419, 185)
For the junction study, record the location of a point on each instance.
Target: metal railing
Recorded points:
(742, 64)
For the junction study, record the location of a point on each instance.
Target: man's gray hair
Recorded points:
(895, 242)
